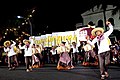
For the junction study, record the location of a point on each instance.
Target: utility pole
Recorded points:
(30, 26)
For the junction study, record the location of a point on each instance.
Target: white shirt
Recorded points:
(75, 49)
(88, 47)
(10, 50)
(114, 59)
(27, 51)
(33, 50)
(53, 52)
(104, 44)
(39, 49)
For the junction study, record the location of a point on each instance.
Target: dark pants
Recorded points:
(11, 62)
(28, 61)
(57, 57)
(20, 58)
(104, 60)
(74, 58)
(40, 57)
(90, 56)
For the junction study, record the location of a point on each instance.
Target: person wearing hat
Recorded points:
(9, 49)
(91, 24)
(64, 59)
(102, 40)
(27, 53)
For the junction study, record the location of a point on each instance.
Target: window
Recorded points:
(111, 20)
(100, 23)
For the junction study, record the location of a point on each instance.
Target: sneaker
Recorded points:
(27, 70)
(9, 69)
(102, 77)
(72, 67)
(106, 75)
(68, 67)
(30, 68)
(13, 68)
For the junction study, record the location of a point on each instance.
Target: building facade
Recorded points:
(96, 15)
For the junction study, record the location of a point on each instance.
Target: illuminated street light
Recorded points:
(18, 26)
(30, 15)
(17, 39)
(27, 18)
(23, 23)
(10, 29)
(26, 22)
(15, 29)
(3, 36)
(7, 29)
(33, 11)
(5, 33)
(19, 17)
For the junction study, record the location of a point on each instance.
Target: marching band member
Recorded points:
(9, 49)
(27, 53)
(103, 47)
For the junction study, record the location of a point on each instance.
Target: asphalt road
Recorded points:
(49, 72)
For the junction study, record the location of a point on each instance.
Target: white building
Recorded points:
(96, 15)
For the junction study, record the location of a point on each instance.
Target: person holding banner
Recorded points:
(64, 59)
(103, 44)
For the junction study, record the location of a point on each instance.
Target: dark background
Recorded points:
(61, 14)
(58, 15)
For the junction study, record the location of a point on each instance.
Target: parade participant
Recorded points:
(64, 59)
(54, 54)
(15, 56)
(74, 54)
(18, 55)
(37, 56)
(27, 53)
(9, 49)
(81, 51)
(89, 57)
(35, 61)
(39, 49)
(103, 47)
(91, 24)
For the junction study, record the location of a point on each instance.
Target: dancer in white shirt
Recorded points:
(74, 54)
(103, 43)
(53, 54)
(9, 49)
(27, 53)
(64, 59)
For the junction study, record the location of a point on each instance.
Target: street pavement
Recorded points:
(49, 72)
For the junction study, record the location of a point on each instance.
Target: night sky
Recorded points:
(58, 15)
